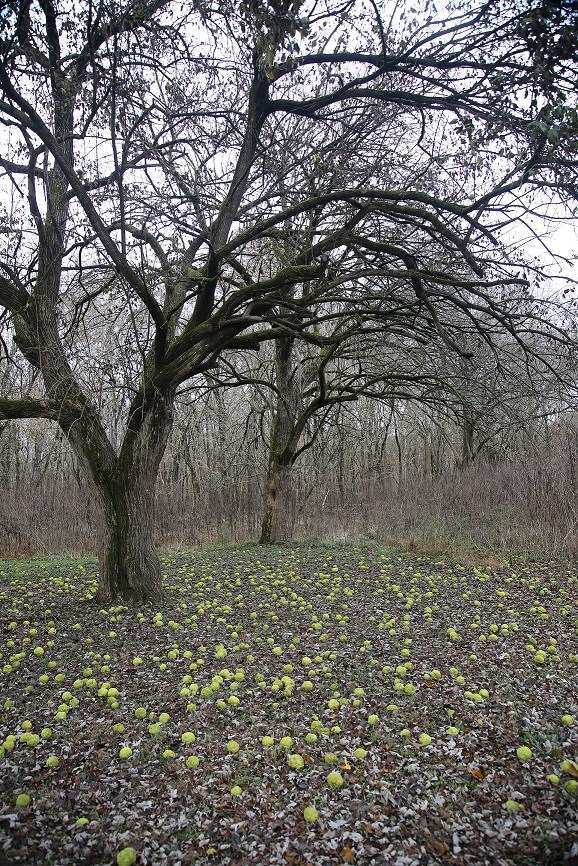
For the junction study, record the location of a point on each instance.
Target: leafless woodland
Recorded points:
(265, 271)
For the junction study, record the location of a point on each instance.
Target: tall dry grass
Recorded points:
(527, 504)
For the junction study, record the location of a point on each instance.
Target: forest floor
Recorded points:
(420, 712)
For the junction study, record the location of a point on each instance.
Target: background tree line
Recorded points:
(391, 470)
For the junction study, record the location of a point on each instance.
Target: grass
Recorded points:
(358, 621)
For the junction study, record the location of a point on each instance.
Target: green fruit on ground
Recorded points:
(553, 779)
(295, 761)
(126, 857)
(335, 780)
(514, 806)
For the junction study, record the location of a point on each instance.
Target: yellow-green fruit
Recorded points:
(524, 753)
(140, 713)
(164, 718)
(568, 720)
(236, 791)
(335, 780)
(553, 778)
(168, 754)
(360, 754)
(424, 739)
(192, 762)
(571, 787)
(296, 762)
(372, 719)
(310, 814)
(52, 761)
(125, 753)
(513, 806)
(188, 738)
(46, 733)
(22, 800)
(267, 741)
(233, 747)
(286, 743)
(126, 857)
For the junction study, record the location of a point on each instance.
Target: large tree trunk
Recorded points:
(129, 563)
(279, 515)
(279, 512)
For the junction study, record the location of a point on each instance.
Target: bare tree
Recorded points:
(139, 167)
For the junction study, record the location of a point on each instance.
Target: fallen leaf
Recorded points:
(438, 846)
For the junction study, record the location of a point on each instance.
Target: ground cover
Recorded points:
(291, 706)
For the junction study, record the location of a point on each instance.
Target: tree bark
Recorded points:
(279, 516)
(468, 433)
(279, 513)
(129, 563)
